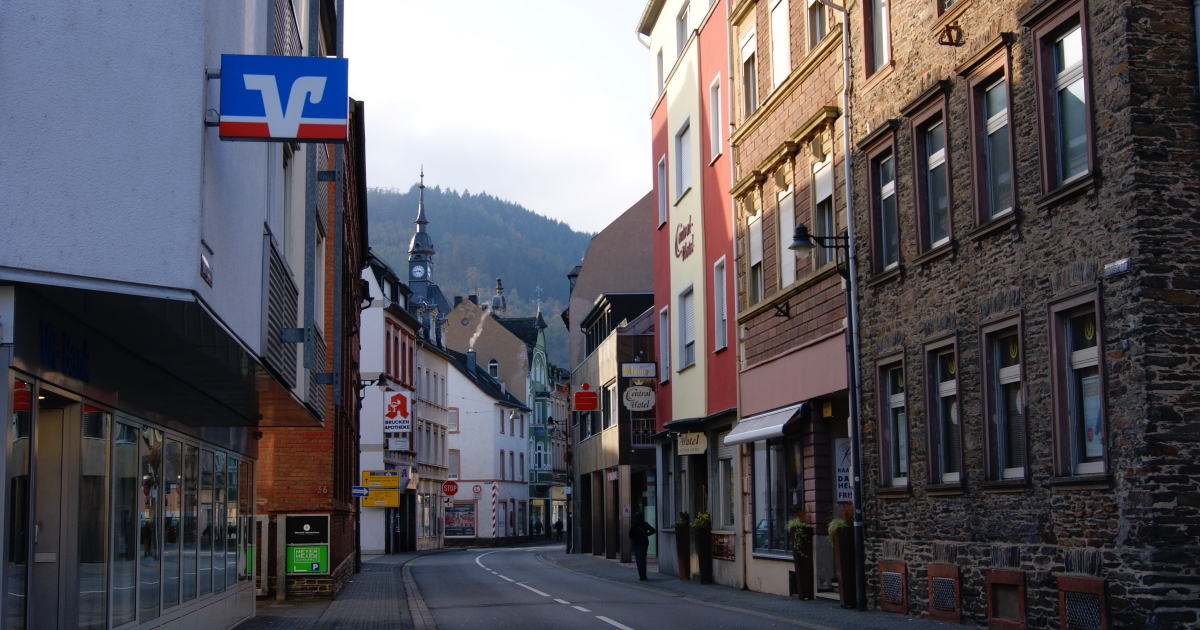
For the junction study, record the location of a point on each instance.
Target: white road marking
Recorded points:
(557, 600)
(493, 572)
(533, 589)
(610, 621)
(506, 578)
(581, 608)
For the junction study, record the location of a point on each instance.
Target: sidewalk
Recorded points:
(820, 614)
(381, 597)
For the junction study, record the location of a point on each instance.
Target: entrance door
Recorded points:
(51, 558)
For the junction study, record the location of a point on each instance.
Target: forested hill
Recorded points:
(477, 238)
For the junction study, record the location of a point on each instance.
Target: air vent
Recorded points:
(943, 594)
(893, 587)
(1083, 611)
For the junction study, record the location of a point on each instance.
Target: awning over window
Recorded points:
(765, 425)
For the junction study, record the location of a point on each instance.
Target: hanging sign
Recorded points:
(841, 463)
(396, 418)
(639, 370)
(638, 398)
(692, 443)
(586, 400)
(268, 98)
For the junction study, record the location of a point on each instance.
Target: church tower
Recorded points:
(420, 251)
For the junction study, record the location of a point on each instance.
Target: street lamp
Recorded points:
(802, 241)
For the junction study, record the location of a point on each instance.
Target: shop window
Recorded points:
(232, 489)
(1005, 402)
(127, 490)
(172, 495)
(150, 512)
(1078, 388)
(206, 521)
(893, 423)
(726, 503)
(778, 487)
(218, 523)
(93, 519)
(945, 423)
(190, 519)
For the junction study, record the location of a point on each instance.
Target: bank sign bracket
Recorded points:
(282, 99)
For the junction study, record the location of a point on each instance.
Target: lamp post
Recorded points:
(803, 241)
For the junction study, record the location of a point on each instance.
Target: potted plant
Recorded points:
(800, 532)
(841, 536)
(683, 547)
(704, 553)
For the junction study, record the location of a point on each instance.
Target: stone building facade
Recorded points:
(788, 165)
(1025, 197)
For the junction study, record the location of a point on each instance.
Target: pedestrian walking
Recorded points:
(640, 533)
(558, 529)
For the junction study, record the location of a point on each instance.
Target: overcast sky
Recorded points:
(541, 102)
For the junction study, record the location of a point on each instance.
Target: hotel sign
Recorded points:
(692, 443)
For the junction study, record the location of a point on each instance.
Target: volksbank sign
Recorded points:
(284, 98)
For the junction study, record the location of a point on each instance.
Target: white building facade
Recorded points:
(488, 456)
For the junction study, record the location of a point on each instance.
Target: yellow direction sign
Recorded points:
(381, 479)
(381, 498)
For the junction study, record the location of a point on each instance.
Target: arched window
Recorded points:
(494, 368)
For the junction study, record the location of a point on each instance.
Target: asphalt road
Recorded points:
(512, 588)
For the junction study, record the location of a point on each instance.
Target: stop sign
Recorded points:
(450, 488)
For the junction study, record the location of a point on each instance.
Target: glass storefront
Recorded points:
(153, 519)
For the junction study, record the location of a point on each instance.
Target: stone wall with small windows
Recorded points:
(1108, 487)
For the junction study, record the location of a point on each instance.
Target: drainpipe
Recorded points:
(1196, 31)
(860, 569)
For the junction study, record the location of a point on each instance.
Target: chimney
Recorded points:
(458, 300)
(470, 361)
(474, 299)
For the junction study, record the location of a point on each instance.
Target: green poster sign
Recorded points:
(308, 559)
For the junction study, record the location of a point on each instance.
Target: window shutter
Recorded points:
(787, 225)
(823, 175)
(756, 241)
(781, 58)
(723, 451)
(689, 318)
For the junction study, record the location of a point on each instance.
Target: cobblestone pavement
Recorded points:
(820, 613)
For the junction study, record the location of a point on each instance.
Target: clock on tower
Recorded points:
(418, 271)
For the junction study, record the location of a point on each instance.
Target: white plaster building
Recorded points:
(489, 454)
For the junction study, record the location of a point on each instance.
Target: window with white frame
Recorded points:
(787, 225)
(664, 344)
(1083, 386)
(687, 328)
(714, 118)
(781, 55)
(895, 442)
(937, 201)
(818, 23)
(946, 425)
(683, 159)
(996, 149)
(454, 465)
(1070, 105)
(823, 220)
(1007, 434)
(720, 308)
(662, 190)
(661, 77)
(889, 230)
(452, 419)
(725, 507)
(879, 39)
(682, 27)
(757, 287)
(749, 76)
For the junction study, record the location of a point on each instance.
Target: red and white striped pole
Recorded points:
(495, 497)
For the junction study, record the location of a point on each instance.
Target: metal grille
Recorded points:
(943, 594)
(316, 391)
(1083, 611)
(285, 33)
(893, 588)
(281, 313)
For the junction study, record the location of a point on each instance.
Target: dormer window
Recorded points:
(494, 368)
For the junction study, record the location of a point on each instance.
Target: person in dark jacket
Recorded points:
(558, 529)
(640, 534)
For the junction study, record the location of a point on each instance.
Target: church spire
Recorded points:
(421, 220)
(421, 246)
